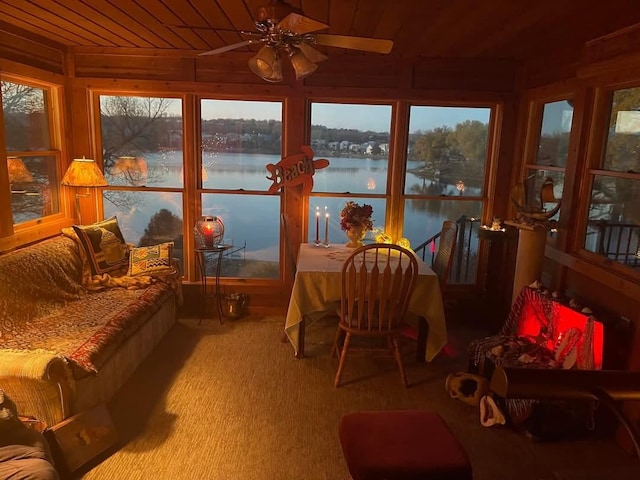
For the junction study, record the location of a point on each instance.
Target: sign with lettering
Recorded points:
(296, 169)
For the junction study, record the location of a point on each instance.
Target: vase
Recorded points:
(355, 234)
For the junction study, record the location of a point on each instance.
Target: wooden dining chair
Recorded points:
(443, 260)
(377, 281)
(441, 265)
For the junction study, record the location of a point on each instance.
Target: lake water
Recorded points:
(253, 220)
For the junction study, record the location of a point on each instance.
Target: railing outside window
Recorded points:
(618, 241)
(465, 262)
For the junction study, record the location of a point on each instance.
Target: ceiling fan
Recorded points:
(285, 31)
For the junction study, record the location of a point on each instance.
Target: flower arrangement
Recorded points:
(356, 215)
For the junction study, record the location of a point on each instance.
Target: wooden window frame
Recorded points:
(596, 145)
(13, 235)
(534, 120)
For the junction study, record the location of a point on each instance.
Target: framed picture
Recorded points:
(81, 438)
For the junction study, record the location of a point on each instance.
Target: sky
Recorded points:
(360, 117)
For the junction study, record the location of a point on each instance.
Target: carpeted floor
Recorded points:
(232, 402)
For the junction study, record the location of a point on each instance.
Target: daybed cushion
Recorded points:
(104, 245)
(152, 260)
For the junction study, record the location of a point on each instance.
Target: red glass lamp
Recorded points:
(209, 231)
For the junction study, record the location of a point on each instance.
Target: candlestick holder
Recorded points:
(317, 240)
(326, 231)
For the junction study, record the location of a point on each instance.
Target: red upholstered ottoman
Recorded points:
(401, 445)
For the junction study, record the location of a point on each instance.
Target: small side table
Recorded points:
(203, 255)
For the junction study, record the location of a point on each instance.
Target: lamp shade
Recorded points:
(134, 169)
(267, 64)
(83, 172)
(18, 171)
(311, 53)
(301, 64)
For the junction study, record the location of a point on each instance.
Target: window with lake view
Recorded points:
(33, 150)
(238, 139)
(445, 177)
(143, 163)
(355, 140)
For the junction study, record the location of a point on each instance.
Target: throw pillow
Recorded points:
(104, 245)
(151, 260)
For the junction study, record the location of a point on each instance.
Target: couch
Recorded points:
(69, 339)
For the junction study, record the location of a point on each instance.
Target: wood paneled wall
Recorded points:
(355, 77)
(608, 60)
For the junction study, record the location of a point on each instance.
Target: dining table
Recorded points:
(317, 291)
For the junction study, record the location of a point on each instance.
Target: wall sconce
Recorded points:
(18, 173)
(83, 172)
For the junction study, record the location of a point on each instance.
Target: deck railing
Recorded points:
(465, 262)
(618, 241)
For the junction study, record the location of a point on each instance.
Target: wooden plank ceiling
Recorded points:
(497, 29)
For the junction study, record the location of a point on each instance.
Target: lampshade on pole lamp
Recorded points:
(18, 172)
(83, 172)
(133, 169)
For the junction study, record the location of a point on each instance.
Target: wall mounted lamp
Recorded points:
(83, 172)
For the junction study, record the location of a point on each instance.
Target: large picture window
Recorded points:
(550, 156)
(355, 140)
(143, 163)
(33, 149)
(445, 176)
(238, 140)
(613, 226)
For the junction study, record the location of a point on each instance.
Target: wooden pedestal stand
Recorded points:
(529, 256)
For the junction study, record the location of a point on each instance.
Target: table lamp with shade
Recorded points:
(83, 172)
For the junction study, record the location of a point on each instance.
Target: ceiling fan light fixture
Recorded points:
(267, 64)
(301, 64)
(311, 53)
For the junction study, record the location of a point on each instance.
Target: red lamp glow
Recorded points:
(565, 319)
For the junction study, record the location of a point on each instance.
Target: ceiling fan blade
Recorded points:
(226, 48)
(376, 45)
(299, 24)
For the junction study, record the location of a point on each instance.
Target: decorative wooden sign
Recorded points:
(296, 169)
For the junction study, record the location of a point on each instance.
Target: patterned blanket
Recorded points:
(45, 305)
